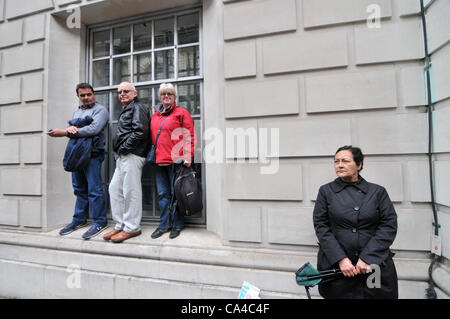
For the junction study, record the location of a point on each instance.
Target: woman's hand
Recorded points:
(349, 270)
(362, 267)
(347, 267)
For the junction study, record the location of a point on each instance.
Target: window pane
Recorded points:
(145, 97)
(188, 29)
(110, 163)
(147, 191)
(116, 106)
(122, 39)
(188, 61)
(189, 97)
(164, 33)
(142, 67)
(103, 99)
(164, 65)
(143, 51)
(142, 36)
(100, 73)
(121, 70)
(101, 44)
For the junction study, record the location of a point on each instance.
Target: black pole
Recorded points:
(307, 292)
(430, 292)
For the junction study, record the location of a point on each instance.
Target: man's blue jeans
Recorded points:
(88, 188)
(164, 186)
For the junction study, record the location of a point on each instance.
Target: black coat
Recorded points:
(358, 221)
(133, 131)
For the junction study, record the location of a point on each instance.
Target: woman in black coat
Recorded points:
(356, 224)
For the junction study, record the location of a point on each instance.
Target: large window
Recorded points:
(147, 52)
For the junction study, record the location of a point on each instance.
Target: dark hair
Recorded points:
(84, 86)
(358, 156)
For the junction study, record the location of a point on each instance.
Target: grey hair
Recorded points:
(133, 88)
(167, 87)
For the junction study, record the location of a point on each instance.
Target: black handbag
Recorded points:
(151, 156)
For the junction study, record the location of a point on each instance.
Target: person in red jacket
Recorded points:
(175, 146)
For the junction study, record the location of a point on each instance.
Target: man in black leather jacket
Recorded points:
(130, 144)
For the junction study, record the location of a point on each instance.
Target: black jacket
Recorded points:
(358, 221)
(133, 131)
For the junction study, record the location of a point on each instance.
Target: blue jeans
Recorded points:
(164, 186)
(88, 188)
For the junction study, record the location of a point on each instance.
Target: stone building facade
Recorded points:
(290, 80)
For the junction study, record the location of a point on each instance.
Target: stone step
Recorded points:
(196, 263)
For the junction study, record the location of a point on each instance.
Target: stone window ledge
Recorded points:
(196, 246)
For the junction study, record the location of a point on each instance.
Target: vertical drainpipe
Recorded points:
(430, 292)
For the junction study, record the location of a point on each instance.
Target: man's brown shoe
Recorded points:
(108, 235)
(123, 235)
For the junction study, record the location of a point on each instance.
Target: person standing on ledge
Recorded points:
(87, 181)
(131, 145)
(172, 150)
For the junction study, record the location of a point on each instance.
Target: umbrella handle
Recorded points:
(325, 274)
(331, 271)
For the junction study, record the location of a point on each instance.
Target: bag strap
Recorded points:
(159, 131)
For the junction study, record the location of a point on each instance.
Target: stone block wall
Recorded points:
(23, 48)
(324, 75)
(25, 53)
(313, 69)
